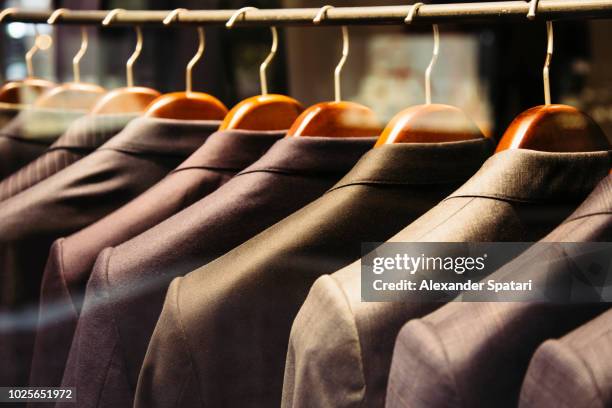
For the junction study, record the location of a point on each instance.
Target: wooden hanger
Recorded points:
(429, 123)
(27, 90)
(338, 118)
(549, 127)
(265, 111)
(131, 99)
(77, 94)
(187, 105)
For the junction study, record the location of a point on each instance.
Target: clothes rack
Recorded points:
(491, 12)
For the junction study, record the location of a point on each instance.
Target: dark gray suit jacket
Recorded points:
(341, 348)
(477, 353)
(228, 323)
(84, 136)
(71, 259)
(28, 135)
(574, 371)
(126, 290)
(144, 152)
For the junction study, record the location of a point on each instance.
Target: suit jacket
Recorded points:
(573, 371)
(235, 313)
(144, 152)
(71, 259)
(126, 291)
(346, 363)
(487, 345)
(82, 137)
(29, 134)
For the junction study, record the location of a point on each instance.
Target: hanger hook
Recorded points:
(436, 50)
(264, 65)
(230, 23)
(549, 55)
(173, 16)
(129, 66)
(76, 60)
(345, 51)
(533, 8)
(41, 42)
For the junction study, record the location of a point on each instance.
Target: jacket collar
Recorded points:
(531, 176)
(91, 131)
(167, 137)
(419, 163)
(232, 149)
(312, 155)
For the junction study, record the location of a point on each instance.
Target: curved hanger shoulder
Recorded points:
(263, 112)
(554, 128)
(26, 91)
(336, 119)
(72, 95)
(125, 100)
(187, 106)
(433, 123)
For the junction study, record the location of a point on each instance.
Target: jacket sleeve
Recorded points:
(95, 362)
(57, 321)
(167, 378)
(558, 377)
(323, 366)
(420, 376)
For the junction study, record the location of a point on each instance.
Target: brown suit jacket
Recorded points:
(83, 137)
(127, 287)
(229, 321)
(574, 371)
(29, 134)
(487, 345)
(340, 347)
(71, 260)
(144, 152)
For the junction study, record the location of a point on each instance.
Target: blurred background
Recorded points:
(493, 72)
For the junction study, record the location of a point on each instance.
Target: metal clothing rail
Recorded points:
(493, 12)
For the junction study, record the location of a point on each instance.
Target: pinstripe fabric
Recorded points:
(121, 169)
(230, 320)
(126, 290)
(29, 134)
(71, 259)
(82, 137)
(487, 345)
(574, 371)
(516, 196)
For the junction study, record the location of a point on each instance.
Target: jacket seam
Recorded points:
(108, 364)
(445, 220)
(111, 311)
(292, 172)
(395, 182)
(183, 334)
(503, 197)
(60, 250)
(451, 372)
(356, 333)
(209, 168)
(586, 367)
(44, 142)
(579, 217)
